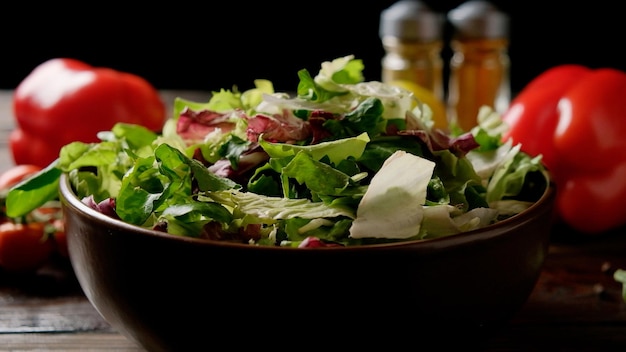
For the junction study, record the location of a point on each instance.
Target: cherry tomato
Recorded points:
(24, 247)
(60, 239)
(51, 216)
(16, 174)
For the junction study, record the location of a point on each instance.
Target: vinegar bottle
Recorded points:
(411, 35)
(479, 67)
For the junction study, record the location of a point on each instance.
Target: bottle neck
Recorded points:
(480, 49)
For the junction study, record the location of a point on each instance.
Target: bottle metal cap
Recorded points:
(479, 19)
(411, 20)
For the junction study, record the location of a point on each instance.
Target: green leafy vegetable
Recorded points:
(346, 162)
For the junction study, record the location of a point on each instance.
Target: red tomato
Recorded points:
(52, 218)
(24, 247)
(60, 239)
(16, 174)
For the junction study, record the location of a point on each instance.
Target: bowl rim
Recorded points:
(70, 199)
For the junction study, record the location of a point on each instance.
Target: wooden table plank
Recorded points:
(47, 301)
(79, 342)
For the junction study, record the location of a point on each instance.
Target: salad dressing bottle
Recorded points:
(479, 67)
(411, 35)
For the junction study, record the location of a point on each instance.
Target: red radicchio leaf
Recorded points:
(314, 242)
(316, 122)
(106, 207)
(439, 140)
(194, 126)
(283, 128)
(247, 161)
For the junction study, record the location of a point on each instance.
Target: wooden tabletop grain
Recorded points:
(575, 306)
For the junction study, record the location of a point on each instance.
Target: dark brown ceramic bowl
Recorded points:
(170, 293)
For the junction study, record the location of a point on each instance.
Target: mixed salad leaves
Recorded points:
(339, 162)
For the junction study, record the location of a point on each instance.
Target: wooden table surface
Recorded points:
(575, 306)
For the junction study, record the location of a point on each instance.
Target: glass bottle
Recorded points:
(480, 64)
(411, 35)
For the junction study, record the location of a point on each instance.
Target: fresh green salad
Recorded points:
(339, 162)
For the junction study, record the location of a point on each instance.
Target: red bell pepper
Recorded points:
(65, 100)
(573, 116)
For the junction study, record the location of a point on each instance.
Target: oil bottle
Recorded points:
(480, 64)
(412, 36)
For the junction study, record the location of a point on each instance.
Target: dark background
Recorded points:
(177, 45)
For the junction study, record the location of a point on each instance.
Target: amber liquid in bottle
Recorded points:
(414, 61)
(479, 75)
